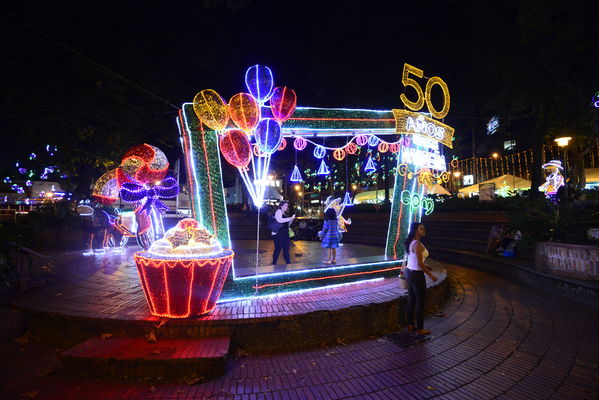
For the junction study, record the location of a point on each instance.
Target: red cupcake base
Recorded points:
(180, 288)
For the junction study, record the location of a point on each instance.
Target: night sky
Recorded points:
(122, 69)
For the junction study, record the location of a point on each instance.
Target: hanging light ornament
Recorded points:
(323, 170)
(361, 140)
(296, 175)
(347, 201)
(283, 144)
(319, 151)
(383, 147)
(351, 148)
(300, 143)
(258, 152)
(394, 148)
(339, 154)
(373, 141)
(370, 165)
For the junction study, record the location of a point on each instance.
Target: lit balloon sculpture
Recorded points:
(236, 148)
(211, 109)
(260, 82)
(245, 111)
(260, 136)
(282, 103)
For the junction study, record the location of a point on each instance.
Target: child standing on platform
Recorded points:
(330, 235)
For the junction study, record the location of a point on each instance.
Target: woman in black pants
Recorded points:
(414, 273)
(281, 237)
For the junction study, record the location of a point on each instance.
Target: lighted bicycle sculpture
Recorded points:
(139, 180)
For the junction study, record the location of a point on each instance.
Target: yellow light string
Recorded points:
(543, 154)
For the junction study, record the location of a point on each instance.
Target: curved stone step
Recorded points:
(137, 359)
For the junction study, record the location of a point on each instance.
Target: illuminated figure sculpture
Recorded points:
(339, 207)
(554, 180)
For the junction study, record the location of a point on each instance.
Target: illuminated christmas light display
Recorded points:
(362, 140)
(283, 103)
(259, 81)
(211, 109)
(370, 165)
(106, 189)
(373, 141)
(300, 143)
(347, 201)
(319, 152)
(236, 148)
(323, 169)
(296, 175)
(417, 151)
(553, 181)
(245, 111)
(27, 171)
(183, 274)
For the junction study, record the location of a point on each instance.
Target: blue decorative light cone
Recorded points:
(347, 201)
(370, 166)
(296, 175)
(323, 170)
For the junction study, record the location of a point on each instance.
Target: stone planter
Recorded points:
(569, 260)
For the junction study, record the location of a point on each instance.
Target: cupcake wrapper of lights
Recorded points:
(182, 287)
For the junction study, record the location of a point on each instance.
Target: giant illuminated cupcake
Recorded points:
(183, 273)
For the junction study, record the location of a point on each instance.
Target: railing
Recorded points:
(29, 264)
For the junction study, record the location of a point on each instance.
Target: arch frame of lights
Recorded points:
(311, 125)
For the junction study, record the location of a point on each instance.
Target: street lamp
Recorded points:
(495, 155)
(563, 143)
(456, 174)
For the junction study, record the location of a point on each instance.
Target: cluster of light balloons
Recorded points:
(253, 120)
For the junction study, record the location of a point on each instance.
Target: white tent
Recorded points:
(592, 177)
(511, 181)
(377, 196)
(438, 189)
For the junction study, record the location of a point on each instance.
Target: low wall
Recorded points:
(571, 260)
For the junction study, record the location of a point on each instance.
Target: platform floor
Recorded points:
(496, 339)
(107, 286)
(303, 254)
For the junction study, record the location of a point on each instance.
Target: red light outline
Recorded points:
(217, 265)
(324, 277)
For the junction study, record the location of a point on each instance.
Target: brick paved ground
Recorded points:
(498, 339)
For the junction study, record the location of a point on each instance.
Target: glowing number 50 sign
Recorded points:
(426, 96)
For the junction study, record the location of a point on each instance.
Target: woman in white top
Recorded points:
(414, 273)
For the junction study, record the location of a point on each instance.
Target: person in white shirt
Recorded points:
(414, 273)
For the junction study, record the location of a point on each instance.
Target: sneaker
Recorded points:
(423, 331)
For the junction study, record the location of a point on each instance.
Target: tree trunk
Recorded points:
(536, 171)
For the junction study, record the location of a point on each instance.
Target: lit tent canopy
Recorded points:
(377, 196)
(514, 183)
